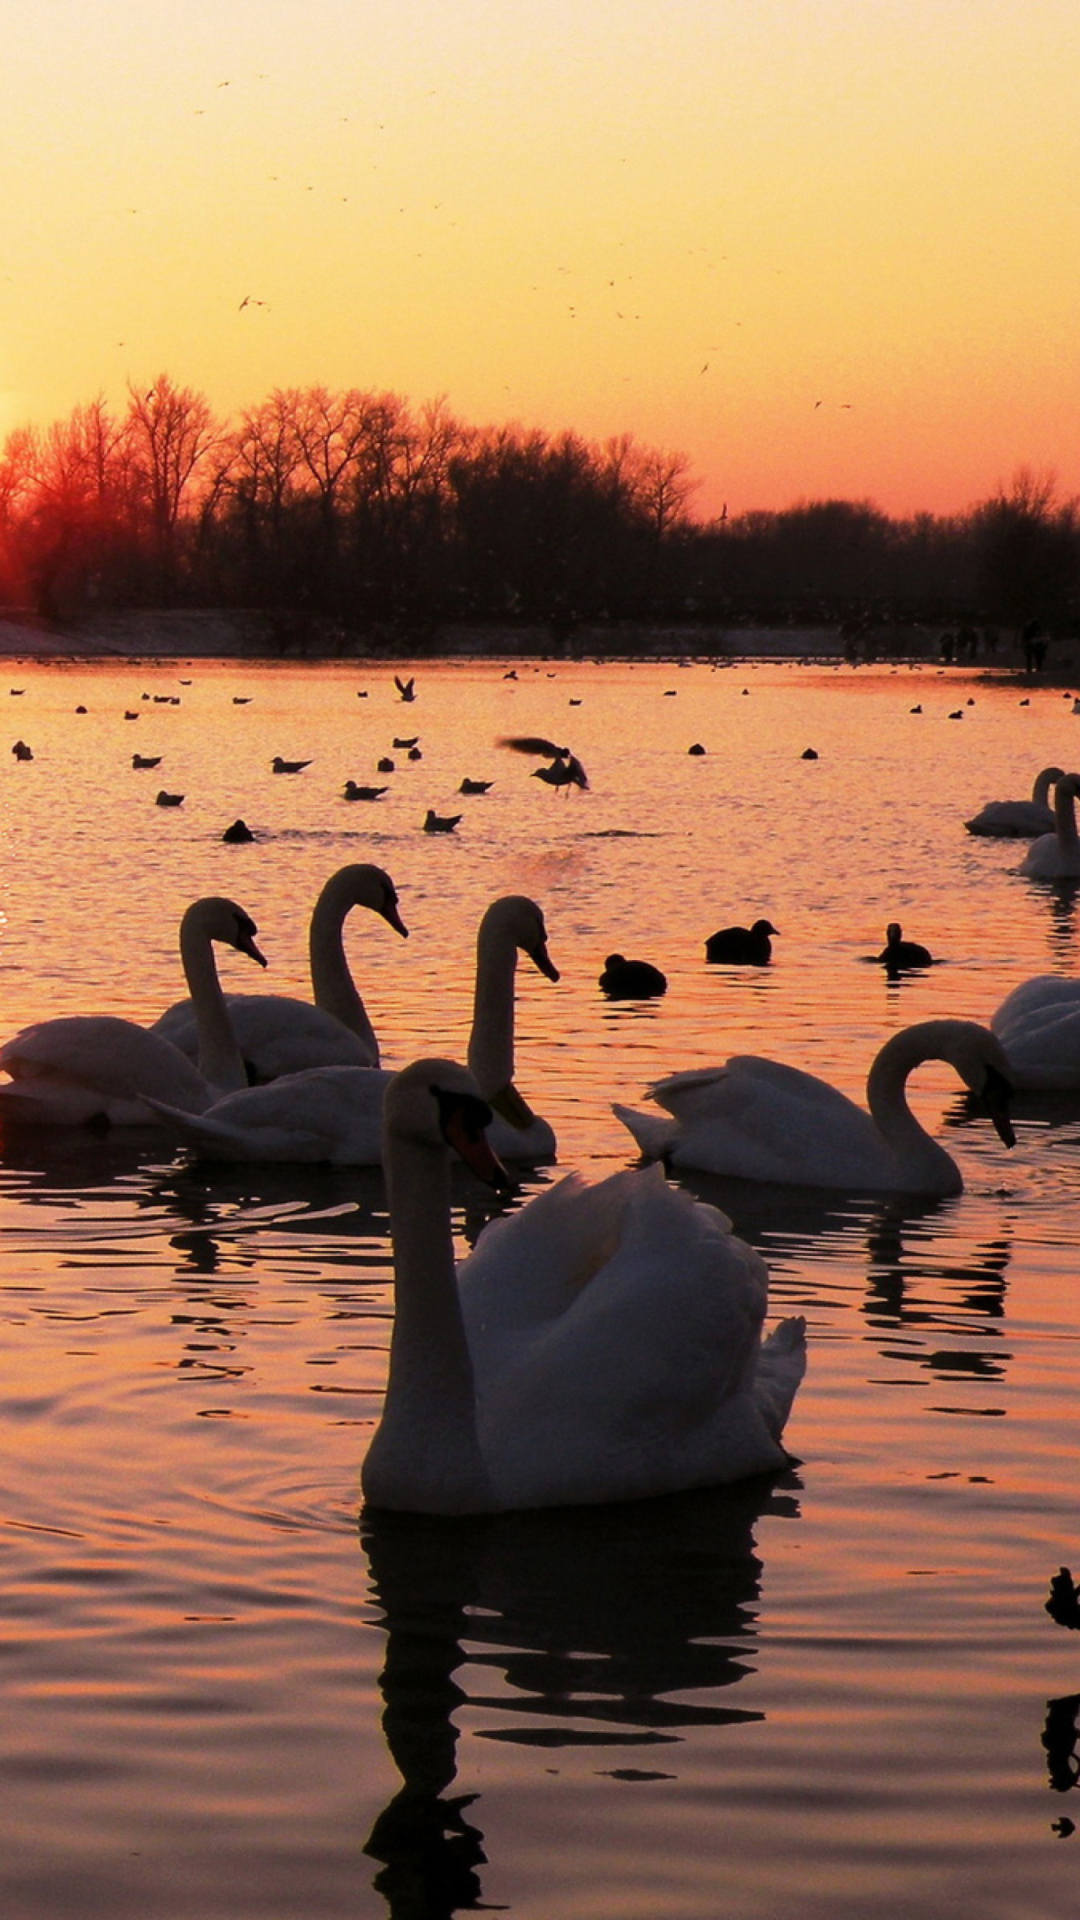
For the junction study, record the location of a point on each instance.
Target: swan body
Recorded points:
(1019, 819)
(1038, 1025)
(93, 1067)
(600, 1344)
(334, 1114)
(742, 946)
(1056, 856)
(757, 1119)
(280, 1035)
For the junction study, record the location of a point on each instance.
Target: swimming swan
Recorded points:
(1056, 856)
(1038, 1025)
(1019, 819)
(278, 1034)
(757, 1119)
(335, 1114)
(602, 1343)
(84, 1067)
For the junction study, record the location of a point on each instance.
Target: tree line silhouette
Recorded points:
(362, 509)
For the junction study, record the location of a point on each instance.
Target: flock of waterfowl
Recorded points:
(602, 1342)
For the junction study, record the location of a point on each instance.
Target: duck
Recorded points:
(758, 1119)
(600, 1344)
(1038, 1024)
(742, 946)
(1056, 856)
(334, 1114)
(279, 1034)
(898, 954)
(624, 979)
(1018, 819)
(81, 1069)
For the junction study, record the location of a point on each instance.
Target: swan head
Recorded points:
(363, 885)
(436, 1104)
(515, 917)
(981, 1062)
(216, 918)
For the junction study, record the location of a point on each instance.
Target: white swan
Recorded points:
(334, 1114)
(91, 1067)
(278, 1034)
(1019, 819)
(756, 1119)
(1056, 856)
(603, 1343)
(1038, 1025)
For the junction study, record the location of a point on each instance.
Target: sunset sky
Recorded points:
(824, 247)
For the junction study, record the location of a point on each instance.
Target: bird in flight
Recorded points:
(565, 770)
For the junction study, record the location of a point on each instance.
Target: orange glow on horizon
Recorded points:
(822, 251)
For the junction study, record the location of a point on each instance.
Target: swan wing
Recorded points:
(1038, 1024)
(78, 1066)
(758, 1119)
(324, 1115)
(1012, 820)
(646, 1382)
(276, 1034)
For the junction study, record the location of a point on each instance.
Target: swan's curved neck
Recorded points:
(1065, 815)
(491, 1043)
(332, 984)
(1043, 783)
(886, 1097)
(426, 1455)
(219, 1059)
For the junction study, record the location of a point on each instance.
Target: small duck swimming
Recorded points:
(742, 946)
(631, 979)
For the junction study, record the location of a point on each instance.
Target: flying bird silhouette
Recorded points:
(565, 770)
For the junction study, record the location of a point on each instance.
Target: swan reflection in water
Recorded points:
(614, 1628)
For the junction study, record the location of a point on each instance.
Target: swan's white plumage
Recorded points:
(1038, 1025)
(82, 1067)
(603, 1343)
(1056, 856)
(757, 1119)
(1018, 819)
(333, 1114)
(278, 1034)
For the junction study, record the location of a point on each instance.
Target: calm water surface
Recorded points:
(230, 1695)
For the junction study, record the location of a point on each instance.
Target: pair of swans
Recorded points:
(86, 1068)
(756, 1119)
(333, 1114)
(1056, 855)
(602, 1343)
(1019, 819)
(278, 1034)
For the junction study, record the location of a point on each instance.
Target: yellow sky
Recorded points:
(825, 247)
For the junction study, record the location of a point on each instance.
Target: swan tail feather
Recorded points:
(780, 1368)
(655, 1135)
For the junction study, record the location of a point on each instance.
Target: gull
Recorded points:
(566, 769)
(278, 765)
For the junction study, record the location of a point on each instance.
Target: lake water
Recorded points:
(230, 1697)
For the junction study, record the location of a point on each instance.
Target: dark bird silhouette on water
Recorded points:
(898, 954)
(1064, 1602)
(385, 765)
(146, 759)
(278, 765)
(410, 742)
(406, 688)
(238, 833)
(631, 979)
(440, 823)
(742, 946)
(354, 792)
(22, 751)
(475, 786)
(169, 799)
(565, 770)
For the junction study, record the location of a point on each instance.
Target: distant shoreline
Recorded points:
(293, 639)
